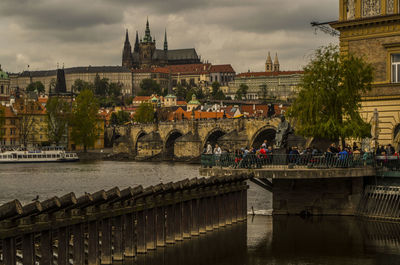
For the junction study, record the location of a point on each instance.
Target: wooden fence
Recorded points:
(108, 226)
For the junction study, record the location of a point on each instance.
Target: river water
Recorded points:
(262, 240)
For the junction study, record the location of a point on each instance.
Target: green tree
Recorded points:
(145, 113)
(114, 89)
(216, 92)
(120, 118)
(180, 92)
(330, 95)
(101, 86)
(37, 86)
(84, 119)
(241, 93)
(80, 85)
(58, 113)
(148, 87)
(263, 92)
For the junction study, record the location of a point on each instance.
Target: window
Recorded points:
(395, 68)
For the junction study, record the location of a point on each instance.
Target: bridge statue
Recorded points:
(284, 129)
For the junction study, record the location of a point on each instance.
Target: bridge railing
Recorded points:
(286, 160)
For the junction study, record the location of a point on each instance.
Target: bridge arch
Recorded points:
(139, 135)
(264, 133)
(169, 145)
(213, 135)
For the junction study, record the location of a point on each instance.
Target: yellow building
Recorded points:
(371, 29)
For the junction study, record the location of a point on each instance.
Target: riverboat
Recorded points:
(37, 156)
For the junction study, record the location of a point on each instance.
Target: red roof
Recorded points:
(142, 98)
(189, 68)
(197, 115)
(255, 74)
(163, 70)
(181, 102)
(222, 68)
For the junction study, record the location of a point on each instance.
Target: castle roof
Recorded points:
(182, 54)
(222, 68)
(76, 70)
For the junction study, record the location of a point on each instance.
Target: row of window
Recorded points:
(37, 156)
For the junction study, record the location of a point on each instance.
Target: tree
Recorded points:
(119, 118)
(180, 92)
(58, 113)
(145, 113)
(217, 93)
(242, 92)
(263, 92)
(37, 86)
(80, 85)
(148, 87)
(101, 86)
(330, 95)
(84, 119)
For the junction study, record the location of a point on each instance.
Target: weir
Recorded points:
(115, 225)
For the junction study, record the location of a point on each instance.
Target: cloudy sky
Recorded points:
(42, 33)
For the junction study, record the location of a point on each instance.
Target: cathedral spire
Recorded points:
(127, 52)
(136, 47)
(126, 37)
(147, 36)
(268, 64)
(276, 63)
(165, 41)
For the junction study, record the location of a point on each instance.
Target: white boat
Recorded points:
(37, 156)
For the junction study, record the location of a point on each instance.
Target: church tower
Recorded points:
(136, 48)
(268, 64)
(165, 41)
(127, 53)
(147, 48)
(276, 63)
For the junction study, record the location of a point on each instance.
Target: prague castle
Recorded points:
(145, 54)
(370, 29)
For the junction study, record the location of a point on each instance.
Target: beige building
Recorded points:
(4, 84)
(281, 85)
(115, 74)
(371, 29)
(159, 74)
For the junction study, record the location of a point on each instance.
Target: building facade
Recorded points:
(280, 85)
(4, 84)
(145, 53)
(371, 29)
(115, 74)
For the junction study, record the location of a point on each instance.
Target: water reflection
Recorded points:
(287, 240)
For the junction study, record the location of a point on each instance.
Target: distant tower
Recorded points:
(268, 64)
(136, 48)
(127, 52)
(147, 48)
(276, 63)
(165, 41)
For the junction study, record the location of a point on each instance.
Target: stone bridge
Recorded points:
(185, 140)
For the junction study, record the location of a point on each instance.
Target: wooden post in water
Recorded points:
(9, 251)
(234, 201)
(63, 246)
(178, 220)
(228, 209)
(106, 257)
(46, 248)
(170, 231)
(187, 218)
(28, 249)
(79, 247)
(141, 232)
(209, 209)
(93, 243)
(118, 242)
(202, 215)
(160, 225)
(151, 229)
(194, 231)
(129, 244)
(214, 205)
(221, 216)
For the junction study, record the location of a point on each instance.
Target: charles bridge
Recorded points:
(185, 140)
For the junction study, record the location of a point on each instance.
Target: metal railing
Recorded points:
(287, 160)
